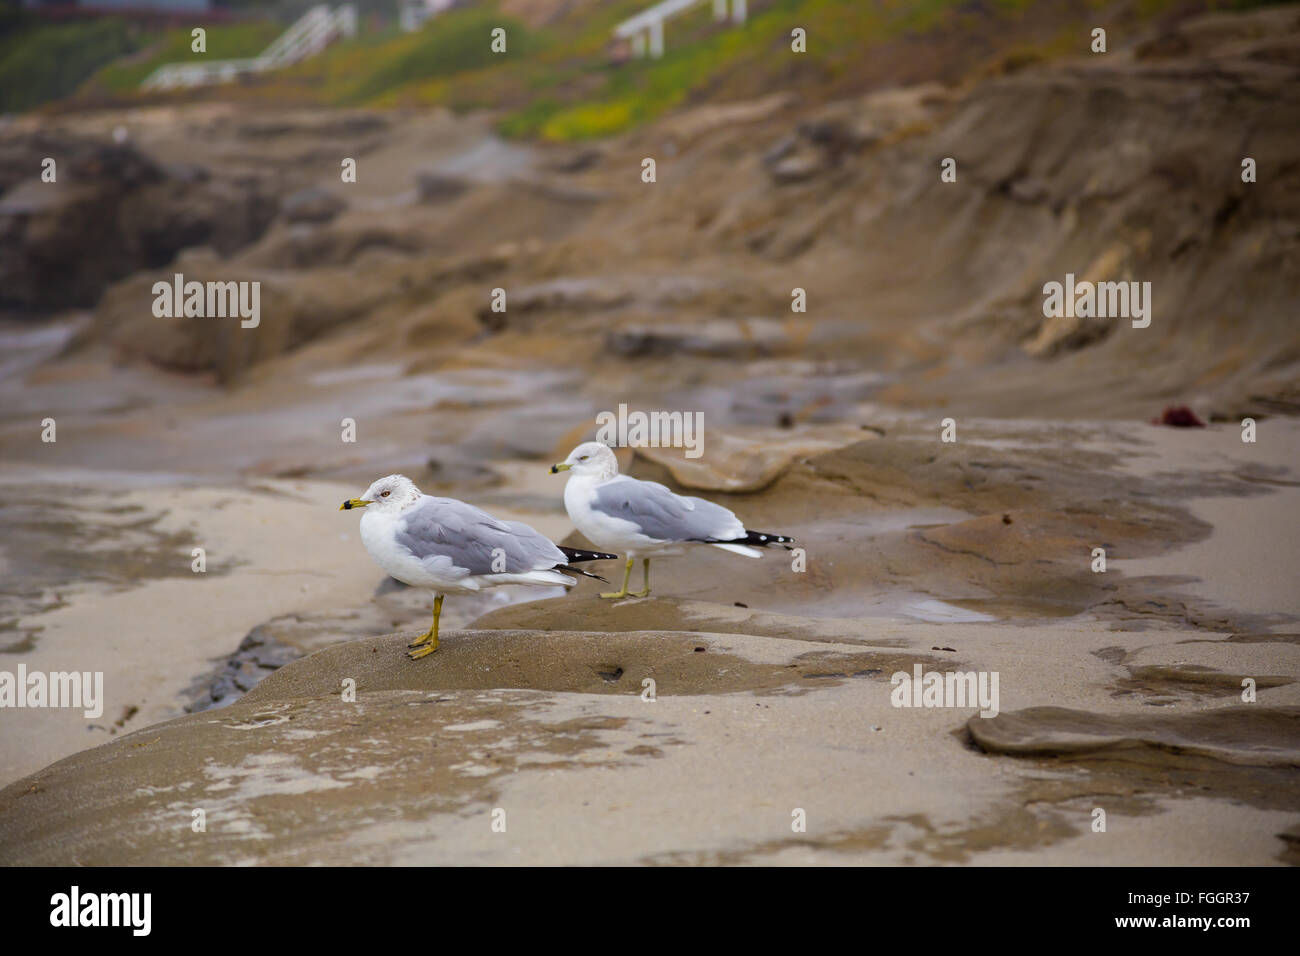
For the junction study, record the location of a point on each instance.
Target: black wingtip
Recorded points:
(579, 554)
(586, 574)
(761, 539)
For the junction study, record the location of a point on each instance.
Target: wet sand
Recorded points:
(744, 730)
(1131, 704)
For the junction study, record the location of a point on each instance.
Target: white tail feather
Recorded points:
(740, 549)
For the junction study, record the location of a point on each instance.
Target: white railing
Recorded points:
(646, 29)
(413, 14)
(312, 32)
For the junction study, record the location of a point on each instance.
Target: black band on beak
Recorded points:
(347, 505)
(555, 469)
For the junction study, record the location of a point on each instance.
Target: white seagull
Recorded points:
(644, 519)
(452, 547)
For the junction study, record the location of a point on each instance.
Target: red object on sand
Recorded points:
(1179, 416)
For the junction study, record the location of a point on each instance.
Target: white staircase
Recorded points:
(646, 29)
(314, 31)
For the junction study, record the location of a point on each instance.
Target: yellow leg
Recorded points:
(627, 573)
(429, 640)
(645, 591)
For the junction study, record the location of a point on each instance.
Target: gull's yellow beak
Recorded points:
(354, 503)
(556, 469)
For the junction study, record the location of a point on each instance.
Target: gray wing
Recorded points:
(664, 515)
(444, 530)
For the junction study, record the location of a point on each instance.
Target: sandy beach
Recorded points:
(1128, 701)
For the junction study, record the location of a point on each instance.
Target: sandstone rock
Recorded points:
(312, 205)
(112, 211)
(749, 460)
(718, 338)
(796, 169)
(435, 187)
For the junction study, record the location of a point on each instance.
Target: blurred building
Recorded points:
(412, 14)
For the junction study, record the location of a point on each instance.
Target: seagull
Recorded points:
(644, 519)
(452, 547)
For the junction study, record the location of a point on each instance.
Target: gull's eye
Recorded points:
(583, 457)
(383, 494)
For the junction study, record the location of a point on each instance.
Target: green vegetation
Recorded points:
(579, 89)
(457, 43)
(702, 55)
(41, 62)
(570, 80)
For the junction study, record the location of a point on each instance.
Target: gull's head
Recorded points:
(590, 458)
(387, 494)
